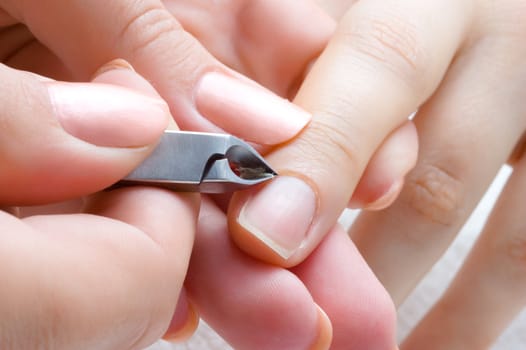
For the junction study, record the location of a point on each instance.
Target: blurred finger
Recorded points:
(488, 291)
(383, 178)
(20, 50)
(464, 141)
(264, 39)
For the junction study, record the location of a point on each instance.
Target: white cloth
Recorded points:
(423, 296)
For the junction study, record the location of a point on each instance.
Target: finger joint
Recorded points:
(390, 44)
(146, 25)
(436, 194)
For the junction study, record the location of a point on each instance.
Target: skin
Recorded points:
(150, 38)
(83, 300)
(322, 78)
(442, 66)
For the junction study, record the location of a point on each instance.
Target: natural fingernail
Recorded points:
(381, 201)
(248, 110)
(387, 198)
(108, 115)
(115, 64)
(280, 214)
(324, 338)
(179, 333)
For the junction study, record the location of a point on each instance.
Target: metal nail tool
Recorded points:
(201, 162)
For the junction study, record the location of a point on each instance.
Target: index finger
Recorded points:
(385, 59)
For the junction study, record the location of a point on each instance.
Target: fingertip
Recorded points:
(384, 176)
(245, 108)
(184, 321)
(378, 199)
(95, 133)
(324, 338)
(118, 109)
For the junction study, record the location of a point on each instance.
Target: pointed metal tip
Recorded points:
(241, 167)
(248, 164)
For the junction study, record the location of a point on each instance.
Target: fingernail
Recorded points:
(178, 333)
(324, 339)
(381, 201)
(248, 110)
(280, 214)
(115, 64)
(108, 115)
(387, 198)
(384, 178)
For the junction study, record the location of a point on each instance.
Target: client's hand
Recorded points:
(461, 65)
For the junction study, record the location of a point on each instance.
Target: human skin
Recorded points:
(65, 276)
(460, 65)
(152, 52)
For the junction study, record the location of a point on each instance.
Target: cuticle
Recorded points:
(314, 187)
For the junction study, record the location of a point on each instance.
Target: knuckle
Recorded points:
(392, 44)
(146, 24)
(328, 142)
(435, 194)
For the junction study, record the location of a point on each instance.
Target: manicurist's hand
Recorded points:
(95, 279)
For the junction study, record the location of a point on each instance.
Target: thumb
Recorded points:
(63, 140)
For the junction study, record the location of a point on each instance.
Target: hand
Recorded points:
(257, 128)
(89, 133)
(105, 279)
(108, 277)
(252, 304)
(386, 60)
(70, 41)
